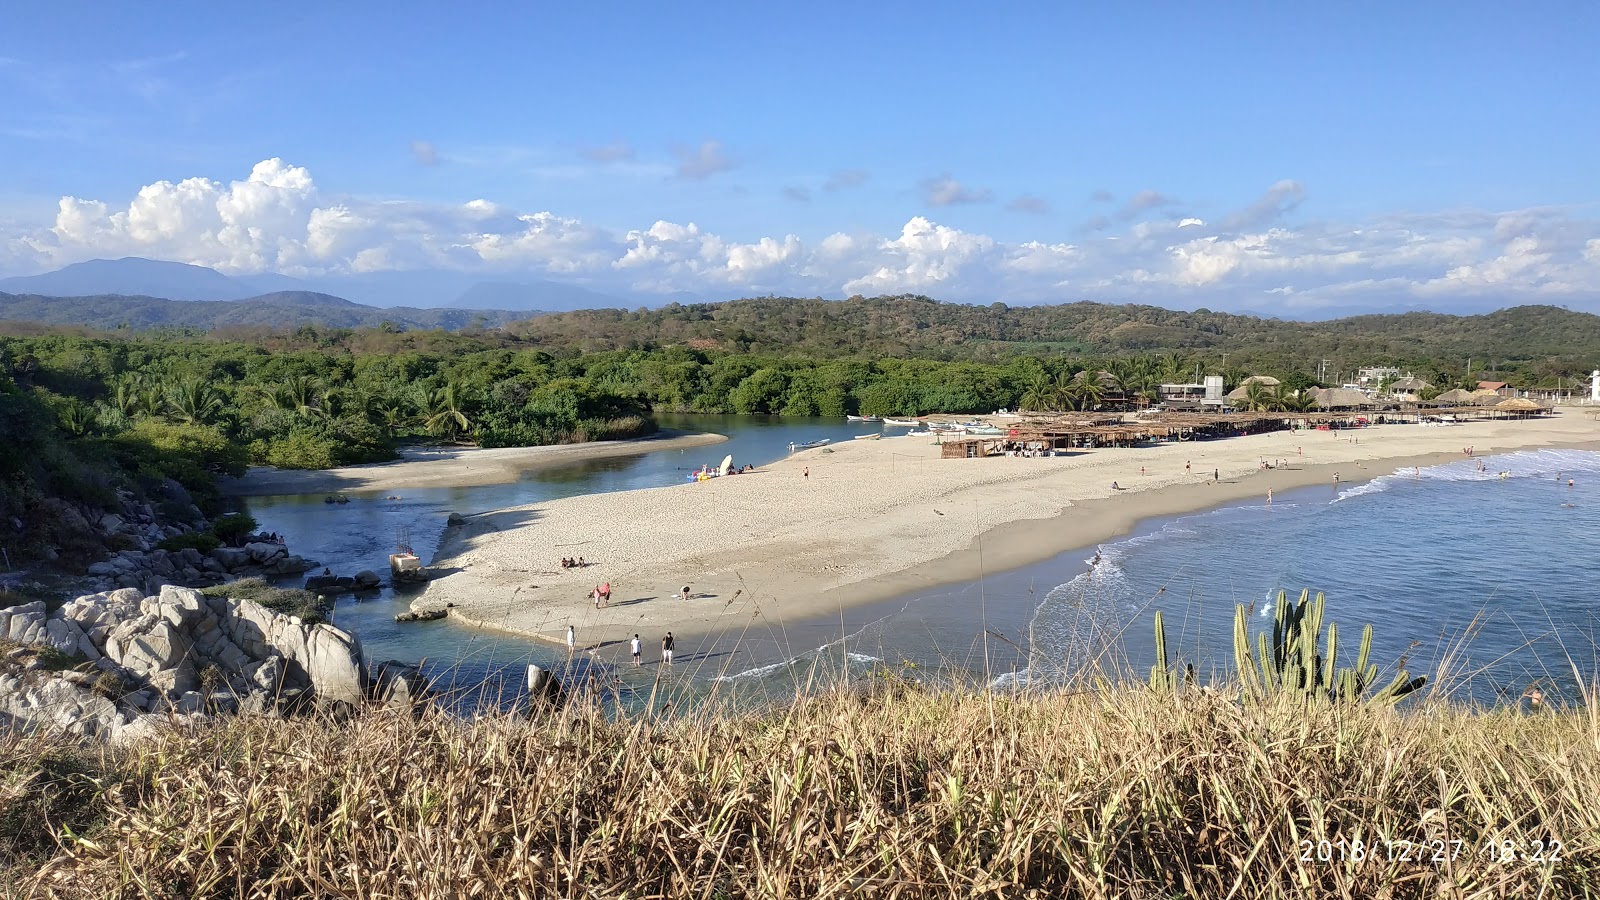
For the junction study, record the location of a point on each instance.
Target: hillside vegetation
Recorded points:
(918, 326)
(282, 309)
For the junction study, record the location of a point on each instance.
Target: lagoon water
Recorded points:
(1491, 578)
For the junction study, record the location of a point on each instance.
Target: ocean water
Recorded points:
(1487, 584)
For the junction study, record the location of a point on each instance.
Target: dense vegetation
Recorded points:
(1532, 345)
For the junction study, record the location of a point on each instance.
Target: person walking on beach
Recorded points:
(686, 592)
(633, 647)
(1336, 479)
(572, 640)
(1186, 467)
(666, 650)
(1216, 474)
(1269, 497)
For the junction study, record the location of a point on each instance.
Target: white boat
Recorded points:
(868, 437)
(984, 430)
(901, 423)
(809, 444)
(863, 418)
(1006, 414)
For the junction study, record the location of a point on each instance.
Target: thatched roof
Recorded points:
(1342, 398)
(1243, 390)
(1489, 398)
(1455, 396)
(1409, 383)
(1518, 404)
(1485, 392)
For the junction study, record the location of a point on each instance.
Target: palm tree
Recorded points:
(441, 411)
(194, 401)
(303, 393)
(77, 418)
(1039, 394)
(125, 397)
(1256, 398)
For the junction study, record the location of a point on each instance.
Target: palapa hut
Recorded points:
(1243, 390)
(1409, 385)
(1518, 406)
(1342, 398)
(1456, 395)
(1484, 397)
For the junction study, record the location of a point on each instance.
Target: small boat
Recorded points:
(809, 444)
(863, 418)
(868, 437)
(1006, 414)
(901, 423)
(984, 430)
(947, 427)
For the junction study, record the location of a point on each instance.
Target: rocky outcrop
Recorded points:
(149, 569)
(121, 655)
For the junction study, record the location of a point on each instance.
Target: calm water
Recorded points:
(1492, 575)
(362, 533)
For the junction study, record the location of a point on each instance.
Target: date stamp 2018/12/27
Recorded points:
(1432, 852)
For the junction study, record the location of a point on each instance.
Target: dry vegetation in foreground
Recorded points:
(886, 792)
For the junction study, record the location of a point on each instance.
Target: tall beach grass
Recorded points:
(882, 789)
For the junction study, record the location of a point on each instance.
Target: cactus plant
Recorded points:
(1291, 662)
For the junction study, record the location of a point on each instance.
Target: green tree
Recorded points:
(194, 401)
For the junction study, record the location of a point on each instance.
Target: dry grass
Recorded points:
(891, 792)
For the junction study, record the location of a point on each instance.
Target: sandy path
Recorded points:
(863, 521)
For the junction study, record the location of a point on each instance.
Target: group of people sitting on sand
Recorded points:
(567, 563)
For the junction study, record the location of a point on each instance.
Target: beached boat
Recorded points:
(809, 444)
(901, 423)
(984, 430)
(863, 418)
(868, 437)
(1006, 414)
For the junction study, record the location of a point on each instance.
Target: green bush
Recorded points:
(233, 527)
(203, 541)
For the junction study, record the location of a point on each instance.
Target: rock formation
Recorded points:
(104, 661)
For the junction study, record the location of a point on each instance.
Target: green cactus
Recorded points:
(1162, 678)
(1290, 661)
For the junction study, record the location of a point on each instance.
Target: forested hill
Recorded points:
(917, 326)
(283, 309)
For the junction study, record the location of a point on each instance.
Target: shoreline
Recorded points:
(447, 467)
(775, 572)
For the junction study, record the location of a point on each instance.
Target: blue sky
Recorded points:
(1247, 156)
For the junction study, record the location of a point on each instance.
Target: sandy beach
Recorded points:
(426, 467)
(863, 521)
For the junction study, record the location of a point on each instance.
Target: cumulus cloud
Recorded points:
(616, 151)
(425, 152)
(279, 219)
(844, 179)
(698, 164)
(1027, 203)
(946, 191)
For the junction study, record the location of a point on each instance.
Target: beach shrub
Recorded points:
(203, 541)
(233, 528)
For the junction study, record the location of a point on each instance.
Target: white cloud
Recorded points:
(278, 219)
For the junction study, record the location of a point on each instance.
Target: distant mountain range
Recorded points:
(133, 276)
(279, 309)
